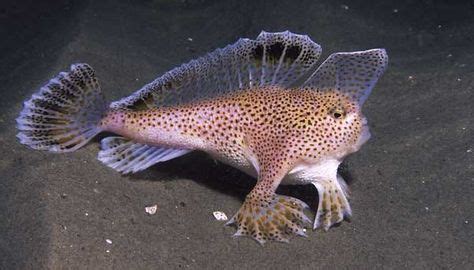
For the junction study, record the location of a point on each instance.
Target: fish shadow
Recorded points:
(223, 178)
(203, 170)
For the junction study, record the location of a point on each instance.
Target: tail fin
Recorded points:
(65, 113)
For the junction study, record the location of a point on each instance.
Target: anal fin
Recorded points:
(127, 156)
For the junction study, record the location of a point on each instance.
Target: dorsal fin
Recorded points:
(353, 73)
(271, 59)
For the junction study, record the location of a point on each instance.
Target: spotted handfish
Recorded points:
(260, 105)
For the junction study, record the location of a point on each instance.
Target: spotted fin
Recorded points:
(270, 59)
(277, 219)
(333, 206)
(65, 113)
(126, 156)
(353, 73)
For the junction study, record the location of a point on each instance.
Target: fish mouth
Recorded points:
(364, 122)
(364, 133)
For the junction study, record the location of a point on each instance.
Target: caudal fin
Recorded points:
(64, 114)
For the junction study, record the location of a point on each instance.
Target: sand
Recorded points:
(411, 185)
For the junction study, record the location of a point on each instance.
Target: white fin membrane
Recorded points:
(343, 185)
(352, 73)
(271, 59)
(126, 156)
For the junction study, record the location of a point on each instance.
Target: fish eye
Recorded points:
(337, 113)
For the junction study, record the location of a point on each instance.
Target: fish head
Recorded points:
(344, 81)
(344, 127)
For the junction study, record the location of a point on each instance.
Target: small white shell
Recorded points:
(151, 210)
(219, 215)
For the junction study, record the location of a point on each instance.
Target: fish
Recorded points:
(260, 105)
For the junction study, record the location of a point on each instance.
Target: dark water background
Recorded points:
(412, 184)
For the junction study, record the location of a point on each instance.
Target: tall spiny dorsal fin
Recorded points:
(270, 59)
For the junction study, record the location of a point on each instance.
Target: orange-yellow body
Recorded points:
(252, 129)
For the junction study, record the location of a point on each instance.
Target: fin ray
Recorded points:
(353, 73)
(65, 113)
(270, 59)
(126, 156)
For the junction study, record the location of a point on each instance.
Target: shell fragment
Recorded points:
(219, 215)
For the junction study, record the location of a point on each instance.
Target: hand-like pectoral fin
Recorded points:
(333, 206)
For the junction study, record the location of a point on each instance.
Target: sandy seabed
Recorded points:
(412, 184)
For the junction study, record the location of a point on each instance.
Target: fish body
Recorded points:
(255, 105)
(295, 123)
